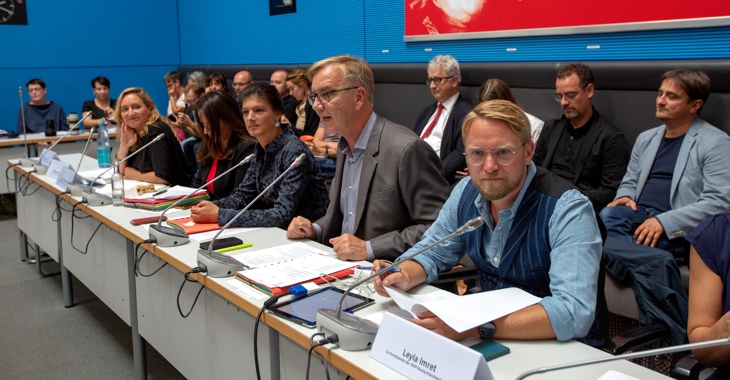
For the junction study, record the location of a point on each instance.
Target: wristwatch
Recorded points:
(487, 330)
(326, 152)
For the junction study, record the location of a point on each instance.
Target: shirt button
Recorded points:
(349, 187)
(495, 259)
(350, 213)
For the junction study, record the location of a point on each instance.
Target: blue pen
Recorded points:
(392, 269)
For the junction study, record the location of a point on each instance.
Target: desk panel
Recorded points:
(35, 212)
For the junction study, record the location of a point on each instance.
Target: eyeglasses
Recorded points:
(241, 84)
(502, 156)
(324, 96)
(569, 96)
(191, 101)
(35, 89)
(437, 80)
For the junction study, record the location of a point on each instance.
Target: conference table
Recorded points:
(216, 339)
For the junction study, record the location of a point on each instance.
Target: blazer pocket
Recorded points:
(383, 194)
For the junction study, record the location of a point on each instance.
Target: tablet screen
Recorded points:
(303, 310)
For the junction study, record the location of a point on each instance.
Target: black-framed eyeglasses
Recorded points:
(324, 97)
(570, 96)
(238, 84)
(502, 156)
(437, 80)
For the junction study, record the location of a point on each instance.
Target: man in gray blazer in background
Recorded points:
(678, 174)
(388, 187)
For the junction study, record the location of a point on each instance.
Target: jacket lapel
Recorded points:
(650, 155)
(585, 147)
(369, 165)
(683, 156)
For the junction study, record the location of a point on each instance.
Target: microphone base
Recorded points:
(353, 332)
(75, 190)
(218, 265)
(40, 169)
(167, 236)
(26, 162)
(95, 199)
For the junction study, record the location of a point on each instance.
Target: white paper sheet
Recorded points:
(278, 255)
(296, 271)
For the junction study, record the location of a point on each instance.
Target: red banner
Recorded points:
(461, 19)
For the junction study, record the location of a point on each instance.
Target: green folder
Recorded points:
(490, 349)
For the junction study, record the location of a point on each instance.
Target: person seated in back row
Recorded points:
(39, 112)
(139, 122)
(225, 143)
(494, 88)
(301, 192)
(678, 175)
(102, 106)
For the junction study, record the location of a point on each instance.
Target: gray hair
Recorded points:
(199, 78)
(448, 63)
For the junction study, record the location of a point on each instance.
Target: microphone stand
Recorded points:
(93, 199)
(219, 265)
(42, 169)
(25, 159)
(165, 236)
(353, 332)
(634, 355)
(73, 188)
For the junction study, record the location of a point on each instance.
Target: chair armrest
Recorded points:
(636, 338)
(688, 368)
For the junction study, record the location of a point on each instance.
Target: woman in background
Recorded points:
(494, 88)
(162, 162)
(217, 82)
(226, 142)
(101, 107)
(307, 121)
(301, 192)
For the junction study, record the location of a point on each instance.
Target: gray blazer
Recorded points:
(401, 191)
(701, 179)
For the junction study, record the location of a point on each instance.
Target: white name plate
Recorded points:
(54, 170)
(425, 354)
(47, 156)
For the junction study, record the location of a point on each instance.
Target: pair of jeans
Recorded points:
(622, 221)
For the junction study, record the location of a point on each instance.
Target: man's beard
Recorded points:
(496, 190)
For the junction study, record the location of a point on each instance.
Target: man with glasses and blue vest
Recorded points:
(582, 147)
(540, 235)
(388, 186)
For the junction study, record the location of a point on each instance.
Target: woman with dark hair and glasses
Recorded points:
(307, 121)
(102, 106)
(226, 142)
(301, 192)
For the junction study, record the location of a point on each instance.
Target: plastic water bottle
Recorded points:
(117, 187)
(103, 148)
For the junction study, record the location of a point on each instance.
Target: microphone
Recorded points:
(74, 189)
(165, 236)
(93, 199)
(353, 332)
(633, 355)
(25, 159)
(40, 168)
(219, 265)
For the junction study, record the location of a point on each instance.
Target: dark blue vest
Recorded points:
(525, 260)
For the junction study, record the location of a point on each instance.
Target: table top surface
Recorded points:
(523, 357)
(40, 137)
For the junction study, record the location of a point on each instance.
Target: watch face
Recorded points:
(487, 330)
(7, 10)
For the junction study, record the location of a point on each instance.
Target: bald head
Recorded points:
(241, 80)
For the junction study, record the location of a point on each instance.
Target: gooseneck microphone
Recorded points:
(633, 355)
(354, 334)
(25, 159)
(93, 199)
(165, 236)
(73, 188)
(40, 168)
(219, 265)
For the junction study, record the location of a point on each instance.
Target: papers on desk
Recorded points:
(278, 268)
(614, 375)
(465, 312)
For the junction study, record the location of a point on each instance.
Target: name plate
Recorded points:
(425, 354)
(66, 176)
(47, 156)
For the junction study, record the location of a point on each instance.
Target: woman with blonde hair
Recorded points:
(307, 121)
(139, 123)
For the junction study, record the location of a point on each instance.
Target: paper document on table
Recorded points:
(296, 271)
(203, 236)
(613, 375)
(169, 192)
(466, 312)
(89, 175)
(278, 255)
(408, 301)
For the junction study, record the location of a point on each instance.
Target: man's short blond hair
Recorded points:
(503, 110)
(355, 72)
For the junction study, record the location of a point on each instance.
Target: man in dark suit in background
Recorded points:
(581, 146)
(440, 123)
(388, 186)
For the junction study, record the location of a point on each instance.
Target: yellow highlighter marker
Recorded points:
(233, 248)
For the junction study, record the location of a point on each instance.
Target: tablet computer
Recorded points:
(303, 310)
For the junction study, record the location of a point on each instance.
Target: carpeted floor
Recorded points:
(41, 339)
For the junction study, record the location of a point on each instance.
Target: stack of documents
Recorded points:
(165, 199)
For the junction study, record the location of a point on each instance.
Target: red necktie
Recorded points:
(433, 123)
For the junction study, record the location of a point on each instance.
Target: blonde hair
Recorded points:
(355, 71)
(147, 101)
(503, 110)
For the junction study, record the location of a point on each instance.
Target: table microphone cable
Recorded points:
(74, 216)
(138, 258)
(270, 302)
(198, 269)
(313, 345)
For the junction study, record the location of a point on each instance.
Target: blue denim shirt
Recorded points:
(575, 256)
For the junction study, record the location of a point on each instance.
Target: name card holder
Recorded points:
(425, 354)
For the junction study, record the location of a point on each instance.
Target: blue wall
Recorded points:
(66, 43)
